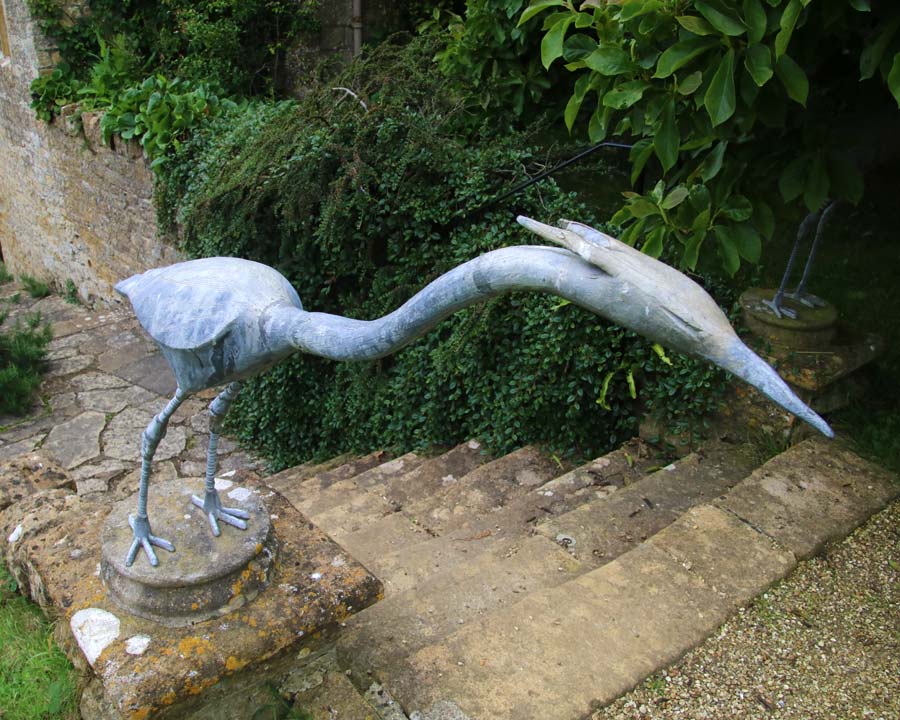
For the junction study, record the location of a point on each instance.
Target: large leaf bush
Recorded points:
(360, 200)
(740, 106)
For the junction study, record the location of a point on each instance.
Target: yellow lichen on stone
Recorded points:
(140, 714)
(232, 664)
(168, 698)
(193, 646)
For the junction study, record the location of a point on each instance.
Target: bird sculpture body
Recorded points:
(218, 321)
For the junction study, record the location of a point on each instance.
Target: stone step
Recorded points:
(414, 558)
(289, 477)
(303, 488)
(435, 473)
(381, 538)
(484, 489)
(439, 605)
(561, 651)
(345, 491)
(599, 531)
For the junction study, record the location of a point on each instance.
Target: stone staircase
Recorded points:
(519, 588)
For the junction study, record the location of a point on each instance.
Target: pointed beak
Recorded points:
(548, 232)
(740, 360)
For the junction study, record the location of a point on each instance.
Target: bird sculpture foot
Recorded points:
(779, 310)
(143, 538)
(804, 298)
(214, 510)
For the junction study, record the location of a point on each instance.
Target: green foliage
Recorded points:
(34, 287)
(49, 93)
(71, 295)
(234, 45)
(496, 62)
(5, 275)
(160, 113)
(360, 208)
(36, 679)
(713, 93)
(23, 349)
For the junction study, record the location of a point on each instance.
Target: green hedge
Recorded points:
(360, 206)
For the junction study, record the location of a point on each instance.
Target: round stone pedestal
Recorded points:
(206, 576)
(813, 328)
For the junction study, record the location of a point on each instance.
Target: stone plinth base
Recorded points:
(206, 576)
(217, 668)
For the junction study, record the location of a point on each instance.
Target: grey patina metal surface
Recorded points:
(221, 320)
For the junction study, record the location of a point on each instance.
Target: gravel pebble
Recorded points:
(824, 644)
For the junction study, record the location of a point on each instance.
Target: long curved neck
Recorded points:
(516, 268)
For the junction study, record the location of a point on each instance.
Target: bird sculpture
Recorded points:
(221, 320)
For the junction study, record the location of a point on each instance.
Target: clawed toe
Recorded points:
(216, 512)
(144, 539)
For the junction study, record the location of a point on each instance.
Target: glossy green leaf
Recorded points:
(584, 20)
(793, 178)
(712, 163)
(575, 102)
(728, 252)
(636, 8)
(720, 101)
(793, 78)
(758, 61)
(598, 124)
(737, 207)
(552, 44)
(764, 218)
(675, 197)
(640, 154)
(696, 25)
(641, 207)
(609, 61)
(690, 84)
(578, 47)
(536, 7)
(815, 191)
(861, 5)
(653, 244)
(626, 94)
(692, 249)
(894, 79)
(722, 18)
(747, 241)
(755, 18)
(666, 140)
(681, 53)
(787, 23)
(870, 57)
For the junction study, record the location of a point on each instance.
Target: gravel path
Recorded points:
(824, 644)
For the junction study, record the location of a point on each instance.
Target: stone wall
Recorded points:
(70, 208)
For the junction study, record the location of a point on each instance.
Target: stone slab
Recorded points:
(75, 441)
(558, 652)
(484, 489)
(29, 474)
(728, 555)
(151, 373)
(147, 670)
(812, 494)
(122, 436)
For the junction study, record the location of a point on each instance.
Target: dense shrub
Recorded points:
(362, 199)
(23, 349)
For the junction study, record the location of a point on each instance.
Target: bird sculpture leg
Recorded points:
(210, 503)
(800, 294)
(775, 303)
(140, 523)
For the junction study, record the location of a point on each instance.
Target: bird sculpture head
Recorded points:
(668, 307)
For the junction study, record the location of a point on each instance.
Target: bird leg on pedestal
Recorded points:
(800, 294)
(140, 523)
(775, 303)
(210, 503)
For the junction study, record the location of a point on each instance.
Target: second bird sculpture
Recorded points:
(218, 321)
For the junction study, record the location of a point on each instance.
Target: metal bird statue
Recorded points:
(221, 320)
